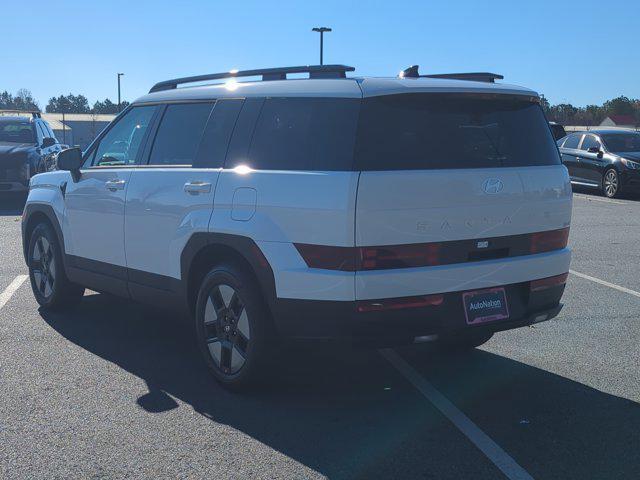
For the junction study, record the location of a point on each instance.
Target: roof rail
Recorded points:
(412, 72)
(34, 113)
(314, 71)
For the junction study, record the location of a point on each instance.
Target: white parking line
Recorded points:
(606, 284)
(491, 449)
(11, 289)
(596, 199)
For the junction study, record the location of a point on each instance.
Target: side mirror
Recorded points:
(71, 160)
(48, 142)
(595, 150)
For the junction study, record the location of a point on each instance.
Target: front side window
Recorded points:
(17, 132)
(121, 144)
(589, 142)
(442, 131)
(179, 134)
(305, 134)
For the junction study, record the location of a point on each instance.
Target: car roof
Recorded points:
(356, 87)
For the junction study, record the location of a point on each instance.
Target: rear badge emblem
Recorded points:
(492, 186)
(483, 244)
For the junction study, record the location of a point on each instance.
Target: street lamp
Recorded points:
(321, 31)
(119, 75)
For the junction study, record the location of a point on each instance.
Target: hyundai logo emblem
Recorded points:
(492, 186)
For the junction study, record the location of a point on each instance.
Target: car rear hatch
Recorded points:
(453, 188)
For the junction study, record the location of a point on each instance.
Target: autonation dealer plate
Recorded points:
(482, 306)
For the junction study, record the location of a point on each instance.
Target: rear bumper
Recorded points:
(335, 320)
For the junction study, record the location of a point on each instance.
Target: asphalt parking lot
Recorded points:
(115, 390)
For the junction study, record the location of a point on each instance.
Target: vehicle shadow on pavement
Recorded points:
(348, 414)
(11, 204)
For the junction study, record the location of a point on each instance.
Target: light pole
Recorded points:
(119, 75)
(321, 31)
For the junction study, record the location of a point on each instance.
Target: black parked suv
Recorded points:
(608, 160)
(27, 146)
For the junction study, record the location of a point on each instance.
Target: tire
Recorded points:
(233, 327)
(611, 183)
(464, 341)
(49, 283)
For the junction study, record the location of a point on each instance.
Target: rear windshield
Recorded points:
(438, 131)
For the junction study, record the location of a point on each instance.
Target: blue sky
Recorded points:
(579, 52)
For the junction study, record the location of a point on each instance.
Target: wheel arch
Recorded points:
(35, 213)
(205, 250)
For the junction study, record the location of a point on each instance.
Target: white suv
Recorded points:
(376, 210)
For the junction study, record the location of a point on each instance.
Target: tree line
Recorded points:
(23, 100)
(591, 115)
(563, 113)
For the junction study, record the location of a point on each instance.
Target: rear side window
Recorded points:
(215, 140)
(572, 141)
(305, 134)
(179, 134)
(442, 131)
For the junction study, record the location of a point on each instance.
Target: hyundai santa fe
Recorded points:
(368, 210)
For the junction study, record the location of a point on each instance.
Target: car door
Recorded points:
(93, 225)
(569, 152)
(170, 197)
(592, 163)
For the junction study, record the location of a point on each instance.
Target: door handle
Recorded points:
(114, 185)
(197, 187)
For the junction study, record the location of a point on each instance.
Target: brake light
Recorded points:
(351, 259)
(328, 257)
(549, 240)
(399, 303)
(549, 282)
(399, 256)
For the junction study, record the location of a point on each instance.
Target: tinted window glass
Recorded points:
(16, 131)
(622, 142)
(238, 150)
(179, 134)
(215, 140)
(427, 131)
(572, 141)
(557, 130)
(305, 134)
(588, 142)
(121, 143)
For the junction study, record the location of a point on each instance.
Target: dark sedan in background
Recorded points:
(608, 160)
(27, 146)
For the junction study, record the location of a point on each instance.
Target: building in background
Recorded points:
(624, 121)
(78, 128)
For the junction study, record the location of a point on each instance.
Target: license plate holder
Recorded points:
(485, 306)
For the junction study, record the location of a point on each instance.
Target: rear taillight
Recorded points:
(369, 258)
(399, 256)
(549, 282)
(549, 240)
(350, 259)
(328, 257)
(399, 303)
